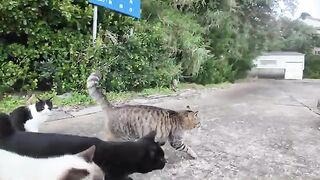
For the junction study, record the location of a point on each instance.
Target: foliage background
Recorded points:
(46, 45)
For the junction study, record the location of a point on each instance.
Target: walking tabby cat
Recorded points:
(130, 122)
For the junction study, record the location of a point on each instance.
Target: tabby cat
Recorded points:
(130, 122)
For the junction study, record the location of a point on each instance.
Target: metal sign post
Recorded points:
(95, 22)
(127, 7)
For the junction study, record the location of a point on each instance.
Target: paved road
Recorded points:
(252, 130)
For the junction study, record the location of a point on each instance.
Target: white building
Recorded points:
(311, 21)
(287, 65)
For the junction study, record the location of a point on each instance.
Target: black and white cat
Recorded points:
(66, 167)
(29, 118)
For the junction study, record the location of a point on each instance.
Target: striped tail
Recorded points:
(95, 92)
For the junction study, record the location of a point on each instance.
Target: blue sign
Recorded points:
(128, 7)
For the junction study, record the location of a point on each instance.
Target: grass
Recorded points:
(9, 102)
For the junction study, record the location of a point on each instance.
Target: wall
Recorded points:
(267, 73)
(273, 66)
(278, 62)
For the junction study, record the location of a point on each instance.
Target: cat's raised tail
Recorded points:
(6, 128)
(95, 92)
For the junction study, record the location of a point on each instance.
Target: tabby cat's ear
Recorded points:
(88, 154)
(29, 101)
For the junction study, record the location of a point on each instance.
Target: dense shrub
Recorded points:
(138, 61)
(47, 45)
(41, 43)
(215, 71)
(312, 67)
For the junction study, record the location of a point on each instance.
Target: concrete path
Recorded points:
(264, 129)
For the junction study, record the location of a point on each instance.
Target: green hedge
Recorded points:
(46, 45)
(312, 67)
(139, 62)
(41, 43)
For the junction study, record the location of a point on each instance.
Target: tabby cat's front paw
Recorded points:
(193, 155)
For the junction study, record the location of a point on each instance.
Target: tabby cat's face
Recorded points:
(191, 119)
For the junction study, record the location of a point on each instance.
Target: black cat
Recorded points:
(116, 159)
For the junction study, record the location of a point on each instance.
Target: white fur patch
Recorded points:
(33, 124)
(17, 167)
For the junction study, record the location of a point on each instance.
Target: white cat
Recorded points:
(29, 118)
(67, 167)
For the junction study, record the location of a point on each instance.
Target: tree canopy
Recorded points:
(47, 44)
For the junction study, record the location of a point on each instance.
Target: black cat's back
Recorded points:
(19, 117)
(6, 128)
(50, 144)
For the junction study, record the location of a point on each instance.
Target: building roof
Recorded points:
(282, 53)
(309, 20)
